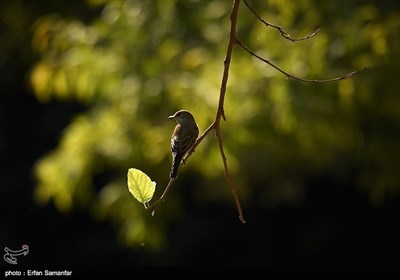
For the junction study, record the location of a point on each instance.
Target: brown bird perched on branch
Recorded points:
(183, 138)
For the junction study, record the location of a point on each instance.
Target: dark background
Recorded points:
(335, 229)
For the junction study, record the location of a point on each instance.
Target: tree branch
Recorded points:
(219, 114)
(279, 28)
(295, 77)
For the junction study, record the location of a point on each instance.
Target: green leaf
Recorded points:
(141, 186)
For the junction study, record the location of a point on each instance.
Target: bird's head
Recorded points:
(182, 116)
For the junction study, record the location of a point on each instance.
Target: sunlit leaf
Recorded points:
(140, 185)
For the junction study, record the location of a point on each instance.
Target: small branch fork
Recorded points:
(220, 110)
(344, 77)
(279, 28)
(294, 40)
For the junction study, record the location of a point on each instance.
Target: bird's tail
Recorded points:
(176, 162)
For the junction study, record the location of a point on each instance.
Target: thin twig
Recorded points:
(152, 209)
(227, 174)
(344, 77)
(199, 140)
(279, 28)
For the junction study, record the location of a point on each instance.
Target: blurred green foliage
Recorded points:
(140, 61)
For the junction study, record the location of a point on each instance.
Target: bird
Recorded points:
(183, 138)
